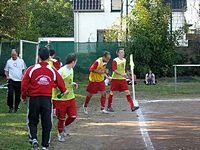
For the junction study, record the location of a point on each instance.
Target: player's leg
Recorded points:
(33, 120)
(72, 114)
(61, 110)
(130, 101)
(46, 119)
(10, 95)
(17, 88)
(110, 99)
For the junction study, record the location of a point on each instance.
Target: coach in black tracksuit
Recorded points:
(37, 83)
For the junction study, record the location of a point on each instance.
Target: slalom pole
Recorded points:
(135, 102)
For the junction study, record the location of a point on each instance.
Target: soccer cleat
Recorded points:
(45, 148)
(66, 131)
(61, 137)
(104, 111)
(110, 109)
(85, 110)
(135, 108)
(35, 145)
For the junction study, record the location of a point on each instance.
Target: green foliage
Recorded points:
(150, 40)
(30, 19)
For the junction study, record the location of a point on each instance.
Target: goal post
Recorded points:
(28, 51)
(175, 71)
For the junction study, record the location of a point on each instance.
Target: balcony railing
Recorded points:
(88, 5)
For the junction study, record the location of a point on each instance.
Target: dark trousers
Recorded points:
(40, 106)
(14, 87)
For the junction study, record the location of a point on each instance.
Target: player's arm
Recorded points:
(56, 64)
(60, 83)
(6, 71)
(114, 69)
(94, 66)
(25, 84)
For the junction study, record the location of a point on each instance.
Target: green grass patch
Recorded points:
(13, 129)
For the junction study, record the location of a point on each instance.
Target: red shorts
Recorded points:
(65, 107)
(95, 87)
(118, 85)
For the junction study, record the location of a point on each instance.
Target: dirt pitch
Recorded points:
(158, 125)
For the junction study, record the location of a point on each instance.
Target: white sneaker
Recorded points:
(104, 111)
(66, 131)
(85, 110)
(61, 137)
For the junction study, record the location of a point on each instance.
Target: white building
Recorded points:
(93, 17)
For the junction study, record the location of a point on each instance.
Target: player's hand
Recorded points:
(66, 92)
(23, 100)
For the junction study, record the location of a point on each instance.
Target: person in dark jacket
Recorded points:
(37, 84)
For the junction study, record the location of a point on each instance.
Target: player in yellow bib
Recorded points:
(118, 81)
(66, 105)
(96, 81)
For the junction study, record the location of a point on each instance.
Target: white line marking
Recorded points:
(169, 100)
(143, 130)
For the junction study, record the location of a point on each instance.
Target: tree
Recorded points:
(30, 19)
(150, 40)
(12, 16)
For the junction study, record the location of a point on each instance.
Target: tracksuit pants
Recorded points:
(40, 106)
(13, 87)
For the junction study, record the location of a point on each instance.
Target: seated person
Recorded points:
(107, 77)
(129, 78)
(150, 78)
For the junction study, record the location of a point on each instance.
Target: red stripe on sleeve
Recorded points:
(114, 65)
(94, 66)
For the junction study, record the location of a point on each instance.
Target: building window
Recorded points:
(87, 5)
(116, 5)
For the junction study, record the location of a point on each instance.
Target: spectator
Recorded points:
(150, 78)
(107, 77)
(14, 70)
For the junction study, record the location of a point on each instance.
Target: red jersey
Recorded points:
(39, 81)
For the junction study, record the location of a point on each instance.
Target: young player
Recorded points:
(118, 81)
(96, 81)
(66, 105)
(54, 63)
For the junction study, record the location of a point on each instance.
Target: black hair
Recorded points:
(70, 58)
(57, 58)
(43, 53)
(52, 52)
(106, 53)
(121, 48)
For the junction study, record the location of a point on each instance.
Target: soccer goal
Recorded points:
(175, 71)
(28, 51)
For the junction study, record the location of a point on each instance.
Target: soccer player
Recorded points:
(37, 83)
(66, 105)
(96, 81)
(54, 63)
(118, 81)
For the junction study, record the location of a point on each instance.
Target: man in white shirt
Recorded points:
(14, 69)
